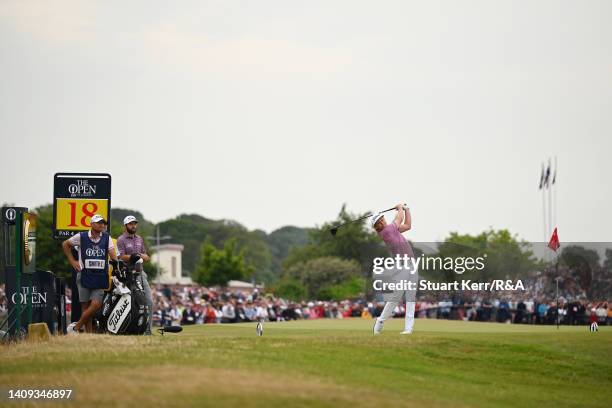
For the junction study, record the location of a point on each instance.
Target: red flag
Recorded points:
(554, 241)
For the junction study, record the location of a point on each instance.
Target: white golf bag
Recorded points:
(125, 309)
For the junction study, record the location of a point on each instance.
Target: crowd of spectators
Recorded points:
(196, 304)
(537, 304)
(540, 303)
(3, 300)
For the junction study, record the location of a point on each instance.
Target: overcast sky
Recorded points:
(277, 112)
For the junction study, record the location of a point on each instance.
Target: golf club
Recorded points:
(170, 329)
(334, 229)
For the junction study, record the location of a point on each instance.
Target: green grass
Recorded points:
(325, 363)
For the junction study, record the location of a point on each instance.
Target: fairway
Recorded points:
(325, 363)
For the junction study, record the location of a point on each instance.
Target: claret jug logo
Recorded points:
(10, 214)
(82, 188)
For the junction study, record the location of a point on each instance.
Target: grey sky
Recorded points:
(277, 112)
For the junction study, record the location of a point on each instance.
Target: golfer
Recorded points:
(391, 234)
(131, 247)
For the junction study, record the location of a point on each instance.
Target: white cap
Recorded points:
(128, 219)
(375, 218)
(97, 218)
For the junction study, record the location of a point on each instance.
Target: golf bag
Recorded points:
(125, 309)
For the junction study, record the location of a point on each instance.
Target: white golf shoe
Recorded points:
(406, 332)
(71, 329)
(378, 326)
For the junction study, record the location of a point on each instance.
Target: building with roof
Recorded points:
(169, 257)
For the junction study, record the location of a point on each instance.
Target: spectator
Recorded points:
(189, 315)
(228, 313)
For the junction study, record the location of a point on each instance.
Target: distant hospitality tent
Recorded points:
(248, 287)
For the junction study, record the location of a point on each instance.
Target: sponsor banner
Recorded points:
(120, 313)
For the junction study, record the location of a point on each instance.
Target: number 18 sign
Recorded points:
(76, 198)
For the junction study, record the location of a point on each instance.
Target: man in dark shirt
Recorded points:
(131, 246)
(190, 316)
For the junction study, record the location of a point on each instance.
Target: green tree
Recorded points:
(354, 241)
(292, 289)
(582, 261)
(49, 253)
(257, 253)
(191, 230)
(504, 255)
(577, 255)
(353, 287)
(608, 261)
(281, 242)
(318, 275)
(218, 266)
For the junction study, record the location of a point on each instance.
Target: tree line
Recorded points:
(306, 263)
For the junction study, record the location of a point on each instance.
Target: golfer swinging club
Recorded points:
(391, 234)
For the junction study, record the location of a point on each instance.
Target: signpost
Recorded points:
(36, 295)
(9, 215)
(76, 198)
(19, 265)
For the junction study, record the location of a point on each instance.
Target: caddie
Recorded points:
(94, 248)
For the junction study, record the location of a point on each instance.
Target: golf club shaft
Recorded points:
(364, 217)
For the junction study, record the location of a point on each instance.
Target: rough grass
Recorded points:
(324, 363)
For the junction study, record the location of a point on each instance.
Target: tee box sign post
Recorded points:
(76, 198)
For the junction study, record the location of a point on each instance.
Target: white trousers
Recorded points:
(408, 320)
(397, 296)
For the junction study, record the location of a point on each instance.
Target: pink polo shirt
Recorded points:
(395, 241)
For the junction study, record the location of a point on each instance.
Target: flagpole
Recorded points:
(542, 188)
(554, 245)
(557, 280)
(549, 186)
(545, 226)
(555, 193)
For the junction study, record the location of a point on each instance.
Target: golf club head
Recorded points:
(170, 329)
